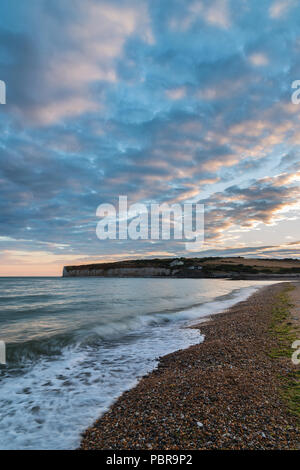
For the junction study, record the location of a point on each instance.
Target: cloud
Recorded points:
(65, 108)
(281, 7)
(161, 101)
(259, 59)
(68, 55)
(218, 14)
(175, 93)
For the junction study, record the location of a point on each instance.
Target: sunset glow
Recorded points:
(169, 102)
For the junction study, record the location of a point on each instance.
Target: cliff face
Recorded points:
(141, 268)
(234, 268)
(118, 272)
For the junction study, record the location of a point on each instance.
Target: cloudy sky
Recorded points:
(162, 101)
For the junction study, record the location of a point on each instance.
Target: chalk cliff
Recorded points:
(139, 268)
(234, 268)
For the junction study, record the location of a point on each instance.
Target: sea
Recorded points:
(74, 345)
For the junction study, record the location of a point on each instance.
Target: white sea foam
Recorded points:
(55, 400)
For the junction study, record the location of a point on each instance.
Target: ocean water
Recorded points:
(74, 345)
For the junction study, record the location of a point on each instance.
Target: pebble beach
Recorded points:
(224, 393)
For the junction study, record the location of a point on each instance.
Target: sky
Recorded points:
(162, 101)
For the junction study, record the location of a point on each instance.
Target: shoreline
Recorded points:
(223, 393)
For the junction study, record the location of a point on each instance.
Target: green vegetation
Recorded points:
(234, 268)
(244, 268)
(285, 333)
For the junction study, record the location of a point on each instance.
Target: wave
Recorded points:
(77, 374)
(53, 346)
